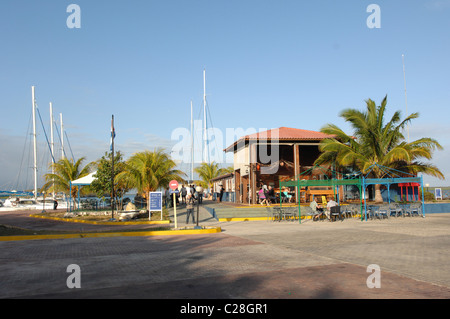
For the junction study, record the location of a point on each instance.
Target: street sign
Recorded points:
(438, 193)
(155, 203)
(173, 185)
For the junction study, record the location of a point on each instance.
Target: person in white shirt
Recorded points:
(330, 204)
(317, 209)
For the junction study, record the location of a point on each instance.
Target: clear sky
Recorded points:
(268, 64)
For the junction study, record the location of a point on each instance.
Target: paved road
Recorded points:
(247, 260)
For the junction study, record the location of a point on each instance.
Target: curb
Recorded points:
(71, 220)
(115, 234)
(242, 219)
(247, 219)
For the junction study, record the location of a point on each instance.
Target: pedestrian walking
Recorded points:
(168, 198)
(190, 208)
(221, 193)
(183, 194)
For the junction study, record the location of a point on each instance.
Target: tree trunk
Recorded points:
(73, 193)
(378, 197)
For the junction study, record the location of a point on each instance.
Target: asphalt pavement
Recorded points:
(247, 260)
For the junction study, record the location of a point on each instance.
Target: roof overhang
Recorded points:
(280, 135)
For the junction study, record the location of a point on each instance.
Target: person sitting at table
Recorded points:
(316, 208)
(271, 195)
(330, 204)
(286, 194)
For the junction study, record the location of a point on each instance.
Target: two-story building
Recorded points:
(268, 157)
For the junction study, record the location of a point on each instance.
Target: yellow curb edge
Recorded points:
(115, 234)
(72, 220)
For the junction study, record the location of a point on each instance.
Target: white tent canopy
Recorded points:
(86, 180)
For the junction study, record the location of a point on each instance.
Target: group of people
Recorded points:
(181, 195)
(188, 195)
(320, 211)
(266, 195)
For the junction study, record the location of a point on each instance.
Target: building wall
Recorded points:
(227, 183)
(242, 160)
(229, 188)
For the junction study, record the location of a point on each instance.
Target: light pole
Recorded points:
(199, 190)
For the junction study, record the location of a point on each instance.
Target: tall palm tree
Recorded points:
(375, 142)
(148, 171)
(208, 171)
(229, 169)
(65, 171)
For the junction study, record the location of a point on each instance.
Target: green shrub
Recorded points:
(428, 196)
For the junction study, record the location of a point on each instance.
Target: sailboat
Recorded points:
(20, 200)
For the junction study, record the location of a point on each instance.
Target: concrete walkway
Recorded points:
(204, 217)
(247, 260)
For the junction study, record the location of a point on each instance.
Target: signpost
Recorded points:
(173, 186)
(155, 203)
(438, 193)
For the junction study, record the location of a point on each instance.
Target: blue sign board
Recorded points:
(438, 193)
(155, 200)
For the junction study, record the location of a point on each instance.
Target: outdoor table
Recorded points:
(282, 213)
(278, 211)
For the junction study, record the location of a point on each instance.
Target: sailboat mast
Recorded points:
(62, 136)
(192, 143)
(52, 144)
(406, 98)
(205, 145)
(34, 142)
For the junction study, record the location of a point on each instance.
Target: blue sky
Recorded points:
(268, 64)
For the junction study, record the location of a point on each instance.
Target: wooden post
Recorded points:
(297, 170)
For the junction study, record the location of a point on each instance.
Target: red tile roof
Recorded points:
(283, 134)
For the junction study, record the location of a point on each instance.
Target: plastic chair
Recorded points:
(372, 212)
(354, 209)
(416, 209)
(347, 211)
(407, 210)
(335, 211)
(307, 211)
(289, 213)
(395, 210)
(275, 213)
(383, 211)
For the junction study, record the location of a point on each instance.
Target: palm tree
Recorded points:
(208, 171)
(227, 170)
(148, 171)
(65, 171)
(375, 142)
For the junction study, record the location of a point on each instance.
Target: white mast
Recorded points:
(62, 136)
(192, 144)
(52, 144)
(205, 144)
(34, 142)
(406, 99)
